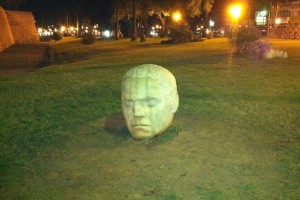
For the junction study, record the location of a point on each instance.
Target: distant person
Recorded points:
(149, 100)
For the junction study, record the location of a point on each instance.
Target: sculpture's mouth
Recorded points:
(140, 126)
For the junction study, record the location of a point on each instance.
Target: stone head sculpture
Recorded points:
(149, 100)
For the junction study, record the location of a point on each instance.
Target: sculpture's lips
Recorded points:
(140, 125)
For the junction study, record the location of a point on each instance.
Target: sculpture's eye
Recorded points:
(152, 102)
(128, 103)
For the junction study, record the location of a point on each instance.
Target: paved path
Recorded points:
(23, 56)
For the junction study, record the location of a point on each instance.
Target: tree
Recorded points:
(120, 10)
(162, 9)
(144, 14)
(165, 8)
(133, 38)
(193, 7)
(207, 6)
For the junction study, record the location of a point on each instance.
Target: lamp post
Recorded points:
(177, 16)
(235, 13)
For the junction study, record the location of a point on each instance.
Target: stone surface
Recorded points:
(6, 37)
(23, 56)
(16, 27)
(22, 26)
(149, 100)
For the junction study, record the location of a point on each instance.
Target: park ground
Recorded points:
(236, 134)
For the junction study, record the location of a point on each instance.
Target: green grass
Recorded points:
(235, 135)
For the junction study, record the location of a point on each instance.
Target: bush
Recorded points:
(210, 35)
(57, 36)
(88, 39)
(181, 33)
(257, 48)
(243, 38)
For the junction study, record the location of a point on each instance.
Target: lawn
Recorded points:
(236, 134)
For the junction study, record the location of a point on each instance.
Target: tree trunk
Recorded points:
(163, 25)
(117, 26)
(133, 38)
(206, 21)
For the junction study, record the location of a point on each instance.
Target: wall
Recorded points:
(22, 26)
(6, 37)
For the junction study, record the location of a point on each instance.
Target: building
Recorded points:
(16, 27)
(284, 20)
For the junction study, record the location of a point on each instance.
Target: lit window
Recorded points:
(284, 13)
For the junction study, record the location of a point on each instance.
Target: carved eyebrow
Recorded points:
(151, 101)
(148, 101)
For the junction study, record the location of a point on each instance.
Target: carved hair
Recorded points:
(163, 76)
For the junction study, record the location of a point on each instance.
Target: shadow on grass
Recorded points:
(116, 126)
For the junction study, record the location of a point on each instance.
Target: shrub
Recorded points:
(210, 35)
(257, 48)
(243, 38)
(181, 33)
(88, 39)
(57, 36)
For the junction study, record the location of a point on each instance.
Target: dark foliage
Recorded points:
(57, 36)
(243, 38)
(88, 39)
(181, 33)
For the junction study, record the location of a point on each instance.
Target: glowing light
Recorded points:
(153, 33)
(211, 23)
(263, 13)
(177, 16)
(236, 11)
(107, 33)
(62, 28)
(277, 21)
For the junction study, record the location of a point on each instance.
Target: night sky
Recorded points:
(48, 12)
(56, 12)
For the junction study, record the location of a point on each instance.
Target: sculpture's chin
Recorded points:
(138, 134)
(146, 132)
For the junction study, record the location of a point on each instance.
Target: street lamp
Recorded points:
(177, 16)
(211, 23)
(235, 11)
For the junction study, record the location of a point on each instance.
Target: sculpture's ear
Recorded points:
(174, 103)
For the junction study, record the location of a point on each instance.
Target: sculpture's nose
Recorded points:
(138, 110)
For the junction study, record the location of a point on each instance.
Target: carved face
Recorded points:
(145, 107)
